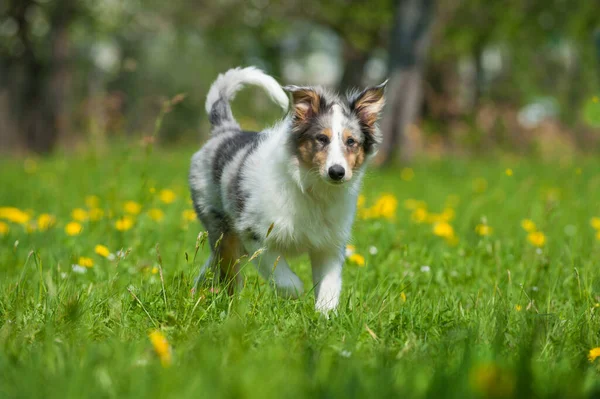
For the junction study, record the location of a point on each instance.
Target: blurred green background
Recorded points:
(467, 76)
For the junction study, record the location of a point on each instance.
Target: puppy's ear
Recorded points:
(367, 105)
(306, 103)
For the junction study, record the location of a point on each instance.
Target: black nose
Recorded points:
(337, 172)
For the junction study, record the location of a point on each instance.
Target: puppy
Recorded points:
(287, 190)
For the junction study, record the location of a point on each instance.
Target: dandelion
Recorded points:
(536, 238)
(594, 353)
(132, 207)
(483, 230)
(350, 249)
(360, 201)
(14, 215)
(357, 259)
(161, 347)
(598, 235)
(528, 225)
(443, 229)
(79, 214)
(92, 201)
(509, 172)
(595, 222)
(189, 215)
(4, 229)
(403, 296)
(425, 269)
(86, 262)
(73, 228)
(419, 215)
(156, 214)
(518, 308)
(407, 174)
(95, 214)
(45, 221)
(595, 99)
(102, 251)
(386, 206)
(167, 196)
(373, 250)
(123, 224)
(154, 270)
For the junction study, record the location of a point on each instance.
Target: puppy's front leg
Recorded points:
(327, 278)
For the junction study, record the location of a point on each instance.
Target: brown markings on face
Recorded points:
(312, 154)
(355, 154)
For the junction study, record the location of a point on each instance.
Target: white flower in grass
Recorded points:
(79, 269)
(373, 250)
(425, 269)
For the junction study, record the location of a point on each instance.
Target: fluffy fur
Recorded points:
(287, 190)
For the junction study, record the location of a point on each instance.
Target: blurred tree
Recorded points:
(35, 61)
(408, 50)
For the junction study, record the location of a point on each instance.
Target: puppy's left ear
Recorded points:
(368, 105)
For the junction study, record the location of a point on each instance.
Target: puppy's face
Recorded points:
(331, 136)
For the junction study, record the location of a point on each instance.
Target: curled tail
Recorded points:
(224, 89)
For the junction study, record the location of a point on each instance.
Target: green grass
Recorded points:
(457, 333)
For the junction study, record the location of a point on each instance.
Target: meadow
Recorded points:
(464, 278)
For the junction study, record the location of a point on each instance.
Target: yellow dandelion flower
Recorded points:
(403, 296)
(92, 201)
(123, 224)
(73, 228)
(419, 215)
(45, 221)
(152, 190)
(357, 259)
(528, 225)
(189, 215)
(443, 229)
(154, 270)
(598, 235)
(4, 229)
(595, 99)
(360, 202)
(595, 222)
(593, 354)
(14, 215)
(85, 262)
(483, 230)
(407, 174)
(132, 207)
(536, 238)
(518, 308)
(161, 347)
(386, 206)
(509, 172)
(102, 250)
(156, 214)
(95, 214)
(167, 196)
(79, 214)
(480, 185)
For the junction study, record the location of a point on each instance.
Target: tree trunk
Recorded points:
(408, 50)
(355, 62)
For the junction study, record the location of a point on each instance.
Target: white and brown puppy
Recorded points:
(289, 189)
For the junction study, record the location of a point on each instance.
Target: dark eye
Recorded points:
(350, 142)
(323, 139)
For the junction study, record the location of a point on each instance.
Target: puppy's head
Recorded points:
(333, 136)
